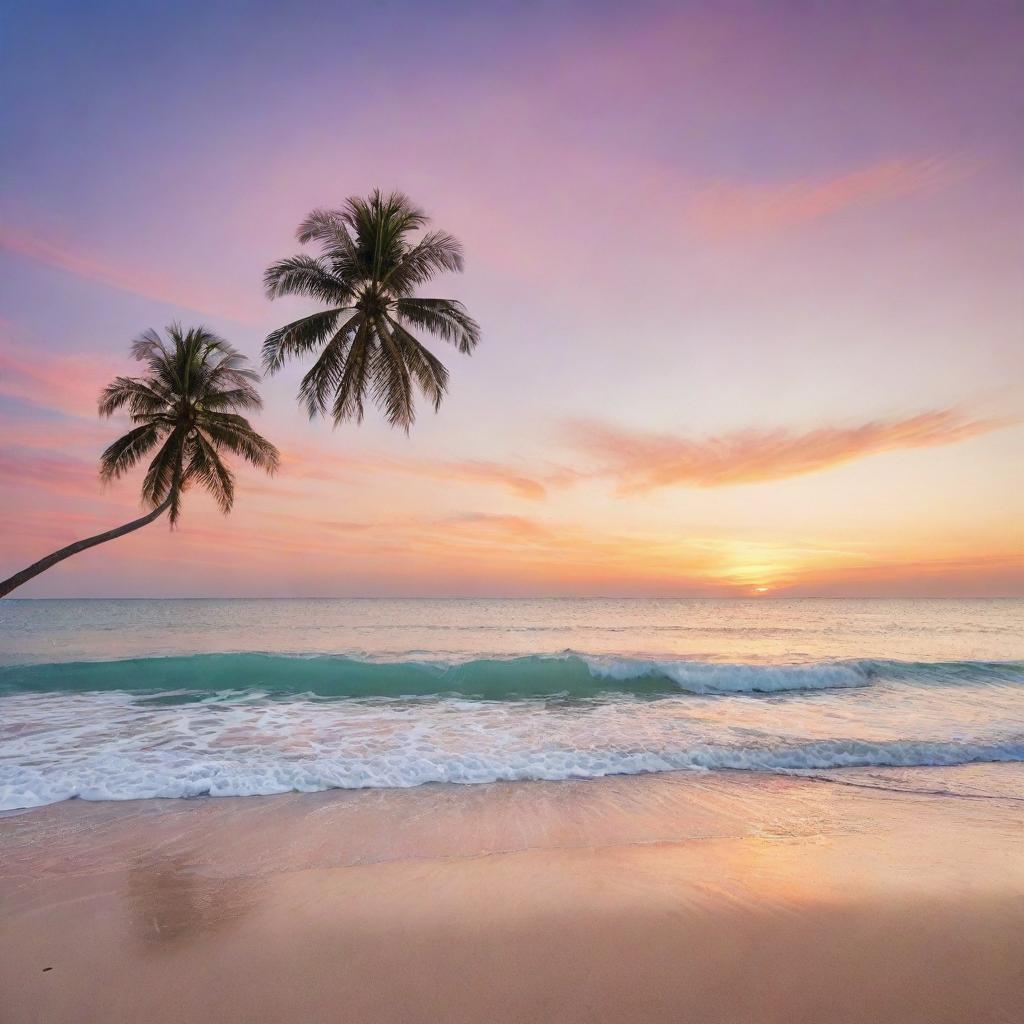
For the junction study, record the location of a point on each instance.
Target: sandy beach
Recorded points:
(723, 897)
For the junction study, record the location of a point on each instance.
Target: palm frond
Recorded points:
(300, 336)
(141, 398)
(338, 250)
(430, 373)
(237, 435)
(326, 373)
(351, 391)
(234, 398)
(326, 226)
(305, 275)
(436, 253)
(381, 224)
(149, 345)
(447, 318)
(126, 451)
(392, 382)
(228, 386)
(205, 467)
(165, 475)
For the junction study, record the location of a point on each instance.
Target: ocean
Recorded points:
(130, 699)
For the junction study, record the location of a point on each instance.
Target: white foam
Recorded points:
(113, 746)
(712, 677)
(119, 778)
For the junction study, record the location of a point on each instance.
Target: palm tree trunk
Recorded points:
(80, 545)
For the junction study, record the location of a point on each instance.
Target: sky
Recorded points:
(748, 274)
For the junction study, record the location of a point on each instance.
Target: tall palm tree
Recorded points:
(186, 406)
(368, 268)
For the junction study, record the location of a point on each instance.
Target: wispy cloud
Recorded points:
(488, 525)
(982, 575)
(643, 461)
(476, 471)
(321, 465)
(725, 209)
(129, 278)
(70, 382)
(54, 473)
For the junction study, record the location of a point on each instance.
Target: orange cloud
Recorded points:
(642, 461)
(475, 471)
(474, 551)
(322, 465)
(725, 209)
(129, 279)
(982, 575)
(486, 526)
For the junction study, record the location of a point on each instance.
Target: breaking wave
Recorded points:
(115, 776)
(485, 678)
(249, 723)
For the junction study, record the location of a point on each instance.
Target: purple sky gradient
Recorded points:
(727, 226)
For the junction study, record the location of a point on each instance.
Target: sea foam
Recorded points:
(117, 777)
(245, 724)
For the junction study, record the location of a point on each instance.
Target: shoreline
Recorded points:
(679, 896)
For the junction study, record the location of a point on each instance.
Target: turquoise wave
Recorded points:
(326, 676)
(486, 678)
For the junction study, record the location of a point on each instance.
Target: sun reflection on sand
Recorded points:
(705, 897)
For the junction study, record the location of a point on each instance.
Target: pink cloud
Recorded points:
(725, 209)
(69, 383)
(489, 524)
(65, 256)
(54, 434)
(55, 473)
(320, 465)
(642, 461)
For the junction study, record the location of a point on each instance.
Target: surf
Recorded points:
(568, 674)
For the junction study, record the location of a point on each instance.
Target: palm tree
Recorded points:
(367, 271)
(187, 403)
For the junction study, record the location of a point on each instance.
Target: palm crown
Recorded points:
(367, 271)
(187, 406)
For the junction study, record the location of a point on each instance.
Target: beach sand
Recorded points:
(729, 897)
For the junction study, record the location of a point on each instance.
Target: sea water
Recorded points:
(125, 699)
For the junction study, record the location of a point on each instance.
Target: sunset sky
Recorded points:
(749, 278)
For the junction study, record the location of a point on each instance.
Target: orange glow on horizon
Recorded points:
(813, 387)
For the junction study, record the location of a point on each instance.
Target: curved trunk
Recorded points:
(80, 545)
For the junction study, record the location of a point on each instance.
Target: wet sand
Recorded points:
(731, 898)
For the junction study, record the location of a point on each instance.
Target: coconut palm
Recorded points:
(186, 406)
(369, 265)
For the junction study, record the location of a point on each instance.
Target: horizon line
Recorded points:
(545, 597)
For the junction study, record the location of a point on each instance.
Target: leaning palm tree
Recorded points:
(368, 268)
(186, 406)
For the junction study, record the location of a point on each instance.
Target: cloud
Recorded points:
(55, 473)
(725, 209)
(132, 279)
(968, 575)
(321, 465)
(489, 525)
(53, 434)
(643, 461)
(69, 383)
(475, 471)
